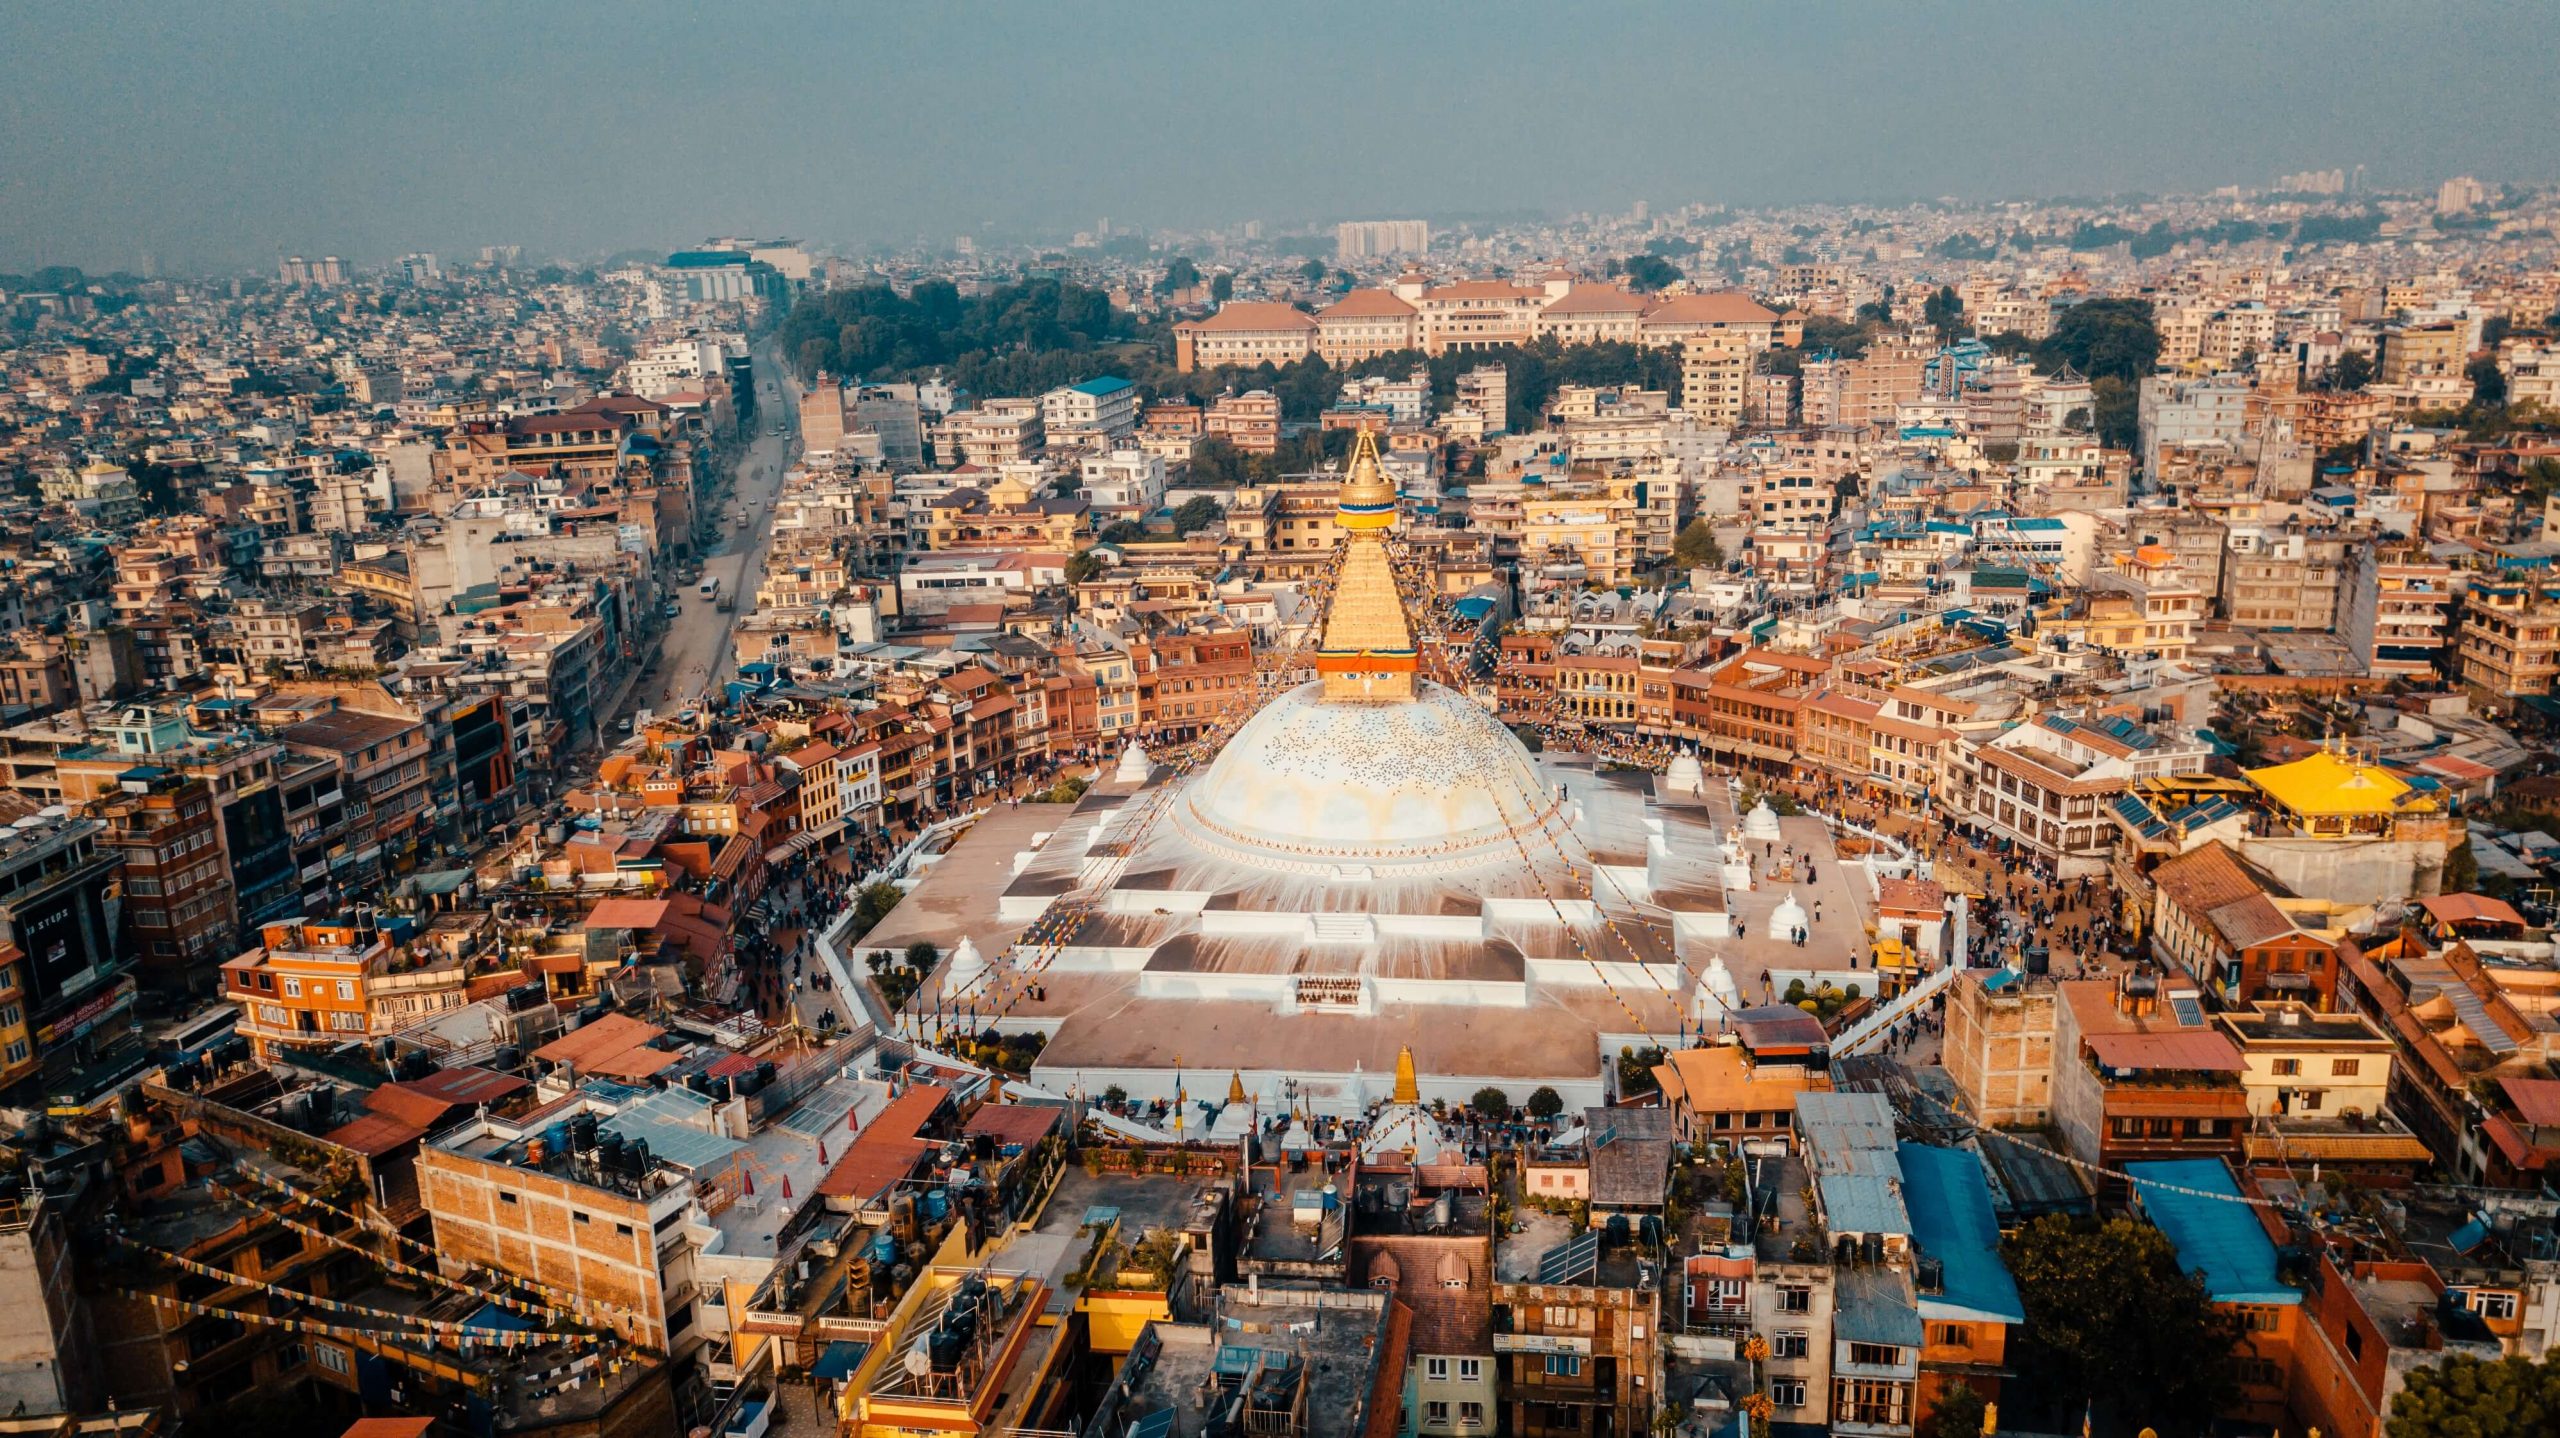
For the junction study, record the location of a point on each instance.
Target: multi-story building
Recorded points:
(2397, 615)
(996, 433)
(317, 985)
(1365, 324)
(1577, 1328)
(178, 917)
(2140, 1073)
(1093, 414)
(2509, 645)
(1249, 421)
(1244, 333)
(64, 980)
(1715, 380)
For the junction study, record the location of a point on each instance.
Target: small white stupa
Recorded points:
(1134, 765)
(1760, 826)
(1788, 917)
(967, 966)
(1718, 995)
(1685, 776)
(1404, 1128)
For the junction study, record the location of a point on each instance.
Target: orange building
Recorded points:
(317, 984)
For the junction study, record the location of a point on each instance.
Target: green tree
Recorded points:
(2118, 403)
(1122, 532)
(2155, 1352)
(2465, 1397)
(1696, 548)
(2461, 870)
(1545, 1103)
(2350, 371)
(1196, 514)
(873, 904)
(1651, 272)
(1959, 1413)
(921, 956)
(1635, 1069)
(2488, 382)
(1222, 287)
(1490, 1102)
(1181, 274)
(2103, 338)
(1312, 272)
(1945, 312)
(1082, 565)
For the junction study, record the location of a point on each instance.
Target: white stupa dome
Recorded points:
(965, 967)
(1788, 917)
(1428, 785)
(1685, 775)
(1134, 766)
(1760, 826)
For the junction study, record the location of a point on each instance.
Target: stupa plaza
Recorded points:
(1371, 862)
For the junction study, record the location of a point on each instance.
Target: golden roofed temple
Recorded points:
(1367, 655)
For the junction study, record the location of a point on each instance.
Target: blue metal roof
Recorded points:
(2218, 1239)
(1952, 1222)
(1107, 384)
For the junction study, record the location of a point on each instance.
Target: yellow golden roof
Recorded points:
(1368, 498)
(1367, 616)
(2332, 785)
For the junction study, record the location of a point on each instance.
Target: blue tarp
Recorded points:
(2216, 1237)
(1952, 1222)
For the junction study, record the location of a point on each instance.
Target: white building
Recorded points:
(1093, 414)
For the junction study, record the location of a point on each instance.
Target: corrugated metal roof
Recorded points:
(2217, 1238)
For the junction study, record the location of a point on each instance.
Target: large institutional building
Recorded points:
(1374, 861)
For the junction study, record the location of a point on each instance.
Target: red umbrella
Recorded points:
(822, 1150)
(786, 1185)
(746, 1183)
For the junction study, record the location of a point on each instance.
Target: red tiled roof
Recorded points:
(626, 914)
(1727, 307)
(1252, 316)
(1025, 1124)
(466, 1083)
(2537, 1100)
(374, 1134)
(2196, 1051)
(2469, 909)
(1367, 305)
(608, 1036)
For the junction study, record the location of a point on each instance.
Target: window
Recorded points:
(2355, 1343)
(1564, 1365)
(1787, 1392)
(1865, 1400)
(506, 1198)
(2257, 1319)
(2494, 1305)
(1436, 1369)
(1950, 1335)
(1795, 1298)
(18, 1052)
(576, 1217)
(333, 1359)
(1790, 1345)
(1471, 1415)
(293, 988)
(1470, 1370)
(1879, 1355)
(2344, 1068)
(2310, 1100)
(346, 988)
(2287, 1068)
(1435, 1412)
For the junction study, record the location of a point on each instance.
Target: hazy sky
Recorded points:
(211, 133)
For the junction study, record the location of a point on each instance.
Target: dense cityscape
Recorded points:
(1707, 820)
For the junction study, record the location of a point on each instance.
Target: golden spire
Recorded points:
(1235, 1086)
(1408, 1089)
(1367, 653)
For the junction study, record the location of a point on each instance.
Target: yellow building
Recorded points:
(2336, 795)
(1714, 377)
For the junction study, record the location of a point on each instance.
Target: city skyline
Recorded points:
(267, 130)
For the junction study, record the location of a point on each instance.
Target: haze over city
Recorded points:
(1731, 720)
(212, 135)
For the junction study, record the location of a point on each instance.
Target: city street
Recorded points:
(694, 655)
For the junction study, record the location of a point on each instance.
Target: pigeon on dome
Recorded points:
(1134, 765)
(1760, 826)
(1686, 775)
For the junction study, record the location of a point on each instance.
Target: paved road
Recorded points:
(695, 654)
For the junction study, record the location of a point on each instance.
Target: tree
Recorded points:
(1196, 514)
(2465, 1397)
(1222, 287)
(873, 904)
(2119, 412)
(1651, 272)
(1696, 548)
(1490, 1102)
(2156, 1352)
(2350, 371)
(1635, 1069)
(1122, 531)
(1959, 1413)
(1082, 565)
(1545, 1103)
(921, 956)
(1181, 274)
(1945, 312)
(1312, 272)
(2105, 338)
(2488, 382)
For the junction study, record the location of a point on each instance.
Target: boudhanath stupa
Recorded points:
(1374, 861)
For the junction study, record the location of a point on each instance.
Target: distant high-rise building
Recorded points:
(501, 255)
(420, 268)
(964, 245)
(323, 273)
(2313, 182)
(1253, 229)
(1371, 239)
(2460, 195)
